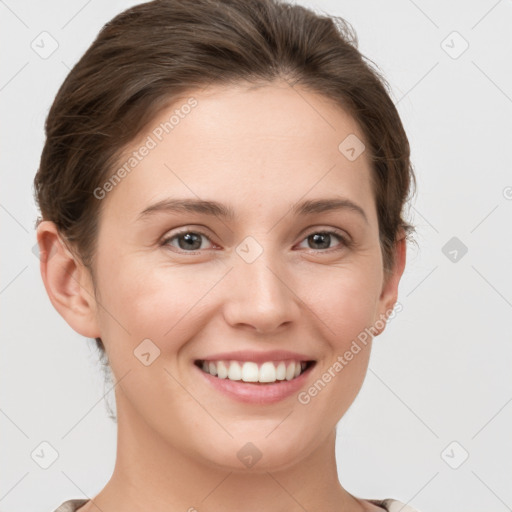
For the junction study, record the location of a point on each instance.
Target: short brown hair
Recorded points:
(152, 52)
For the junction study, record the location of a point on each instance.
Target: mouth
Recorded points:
(251, 372)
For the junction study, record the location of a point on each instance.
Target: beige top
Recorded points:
(390, 505)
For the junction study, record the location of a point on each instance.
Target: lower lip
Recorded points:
(253, 393)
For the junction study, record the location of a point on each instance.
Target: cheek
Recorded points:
(159, 302)
(345, 304)
(345, 311)
(344, 300)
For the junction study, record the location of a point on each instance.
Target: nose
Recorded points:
(260, 296)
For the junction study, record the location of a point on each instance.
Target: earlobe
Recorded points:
(67, 281)
(389, 292)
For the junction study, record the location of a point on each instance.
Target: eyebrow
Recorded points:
(220, 210)
(328, 205)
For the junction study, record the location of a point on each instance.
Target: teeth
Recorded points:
(250, 371)
(281, 371)
(222, 370)
(267, 372)
(290, 371)
(235, 371)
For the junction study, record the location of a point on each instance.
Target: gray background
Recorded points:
(440, 373)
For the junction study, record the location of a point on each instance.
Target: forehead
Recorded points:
(259, 145)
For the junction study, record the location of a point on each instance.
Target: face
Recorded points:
(285, 279)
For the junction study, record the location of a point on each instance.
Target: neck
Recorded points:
(150, 474)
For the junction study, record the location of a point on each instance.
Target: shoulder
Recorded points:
(71, 505)
(391, 505)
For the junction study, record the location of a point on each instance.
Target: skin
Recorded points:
(178, 437)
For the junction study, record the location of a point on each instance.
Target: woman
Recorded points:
(221, 193)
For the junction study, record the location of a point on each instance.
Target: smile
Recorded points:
(267, 372)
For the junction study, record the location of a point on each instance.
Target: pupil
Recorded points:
(190, 238)
(318, 237)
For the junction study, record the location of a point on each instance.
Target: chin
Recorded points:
(258, 456)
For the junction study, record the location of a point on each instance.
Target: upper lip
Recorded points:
(257, 357)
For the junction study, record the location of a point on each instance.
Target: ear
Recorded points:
(67, 281)
(389, 294)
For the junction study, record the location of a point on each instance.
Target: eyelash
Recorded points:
(346, 243)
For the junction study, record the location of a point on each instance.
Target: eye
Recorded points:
(188, 241)
(191, 241)
(323, 239)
